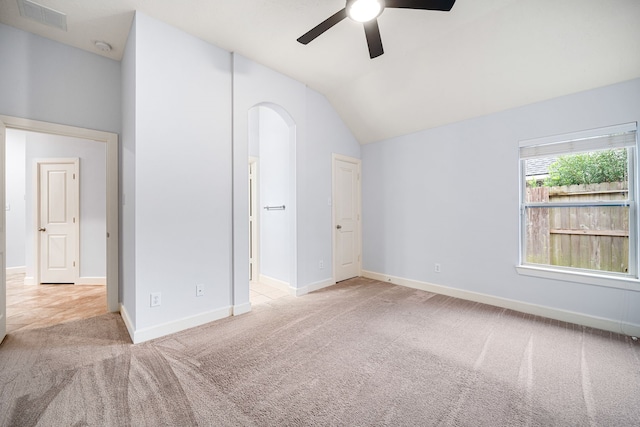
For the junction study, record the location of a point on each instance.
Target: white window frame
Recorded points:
(618, 136)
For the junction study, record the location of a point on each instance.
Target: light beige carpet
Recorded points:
(359, 353)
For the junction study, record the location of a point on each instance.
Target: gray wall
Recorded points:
(93, 190)
(319, 133)
(48, 81)
(127, 273)
(275, 148)
(449, 195)
(15, 198)
(326, 134)
(23, 149)
(179, 167)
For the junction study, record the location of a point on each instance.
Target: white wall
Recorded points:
(127, 273)
(254, 84)
(275, 186)
(326, 134)
(179, 164)
(168, 82)
(15, 198)
(93, 188)
(449, 195)
(48, 81)
(319, 133)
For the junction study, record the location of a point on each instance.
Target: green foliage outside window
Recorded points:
(588, 168)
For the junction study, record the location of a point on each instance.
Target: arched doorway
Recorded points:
(272, 205)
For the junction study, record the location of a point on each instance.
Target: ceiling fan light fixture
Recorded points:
(364, 10)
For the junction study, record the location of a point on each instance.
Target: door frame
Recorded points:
(37, 163)
(112, 211)
(334, 158)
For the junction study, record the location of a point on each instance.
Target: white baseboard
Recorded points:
(276, 283)
(158, 331)
(241, 308)
(92, 281)
(81, 281)
(524, 307)
(314, 287)
(127, 321)
(16, 270)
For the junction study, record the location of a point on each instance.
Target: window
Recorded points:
(579, 202)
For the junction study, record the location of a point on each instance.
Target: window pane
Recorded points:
(602, 173)
(595, 238)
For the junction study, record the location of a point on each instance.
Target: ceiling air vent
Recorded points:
(42, 14)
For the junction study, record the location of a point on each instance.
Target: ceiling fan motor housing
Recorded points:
(364, 10)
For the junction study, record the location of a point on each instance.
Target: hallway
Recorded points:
(30, 306)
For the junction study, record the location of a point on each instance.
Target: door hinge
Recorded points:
(74, 263)
(74, 220)
(74, 176)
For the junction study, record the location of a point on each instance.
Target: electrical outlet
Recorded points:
(156, 299)
(437, 268)
(321, 264)
(199, 290)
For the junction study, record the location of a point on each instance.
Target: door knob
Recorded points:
(42, 229)
(339, 227)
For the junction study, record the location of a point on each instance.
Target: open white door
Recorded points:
(58, 225)
(346, 217)
(3, 236)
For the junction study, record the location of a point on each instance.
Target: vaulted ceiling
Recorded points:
(438, 67)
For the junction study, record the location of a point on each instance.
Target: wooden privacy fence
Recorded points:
(595, 238)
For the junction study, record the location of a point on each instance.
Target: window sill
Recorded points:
(628, 283)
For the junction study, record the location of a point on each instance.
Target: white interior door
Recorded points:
(346, 211)
(58, 227)
(3, 236)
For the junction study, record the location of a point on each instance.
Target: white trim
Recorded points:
(127, 321)
(276, 283)
(163, 329)
(358, 163)
(608, 281)
(239, 309)
(16, 270)
(30, 281)
(91, 281)
(314, 287)
(524, 307)
(111, 141)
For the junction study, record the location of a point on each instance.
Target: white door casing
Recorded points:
(58, 220)
(3, 238)
(346, 218)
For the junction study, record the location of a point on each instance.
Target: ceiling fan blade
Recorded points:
(372, 31)
(323, 26)
(444, 5)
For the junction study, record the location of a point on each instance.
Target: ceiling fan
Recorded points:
(367, 12)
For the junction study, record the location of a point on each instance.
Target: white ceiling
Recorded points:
(438, 67)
